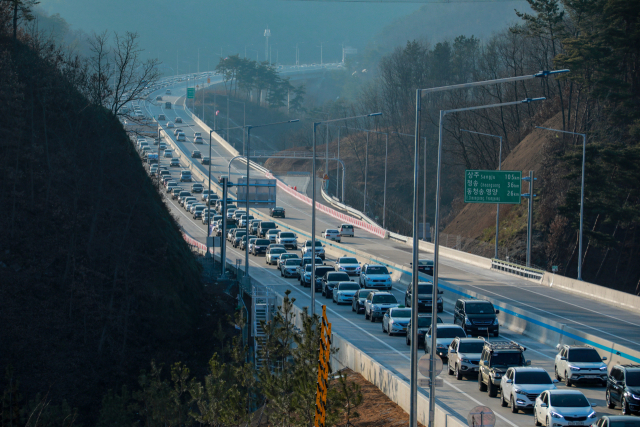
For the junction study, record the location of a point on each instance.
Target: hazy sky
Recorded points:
(172, 28)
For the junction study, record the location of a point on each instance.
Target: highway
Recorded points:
(604, 320)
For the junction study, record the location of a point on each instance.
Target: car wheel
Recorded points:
(373, 319)
(281, 273)
(353, 308)
(567, 380)
(481, 386)
(366, 316)
(458, 374)
(493, 390)
(548, 422)
(324, 294)
(535, 418)
(407, 339)
(406, 303)
(449, 370)
(514, 406)
(383, 331)
(625, 407)
(503, 402)
(607, 398)
(557, 376)
(496, 334)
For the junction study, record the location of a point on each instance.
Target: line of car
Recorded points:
(499, 366)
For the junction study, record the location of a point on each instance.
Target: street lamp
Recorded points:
(413, 420)
(584, 154)
(499, 168)
(313, 203)
(248, 128)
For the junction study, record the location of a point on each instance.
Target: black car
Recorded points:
(623, 388)
(321, 270)
(425, 295)
(205, 161)
(260, 246)
(425, 266)
(277, 212)
(477, 317)
(331, 279)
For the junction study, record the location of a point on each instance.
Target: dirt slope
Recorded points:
(475, 218)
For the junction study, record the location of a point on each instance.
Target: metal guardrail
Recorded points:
(519, 270)
(290, 154)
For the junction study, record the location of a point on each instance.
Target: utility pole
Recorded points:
(267, 34)
(366, 172)
(198, 60)
(529, 196)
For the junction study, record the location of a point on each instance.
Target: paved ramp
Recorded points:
(300, 181)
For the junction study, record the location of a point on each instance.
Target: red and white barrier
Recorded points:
(373, 229)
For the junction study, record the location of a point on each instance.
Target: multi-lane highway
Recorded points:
(598, 318)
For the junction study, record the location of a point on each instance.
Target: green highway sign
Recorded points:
(191, 92)
(492, 187)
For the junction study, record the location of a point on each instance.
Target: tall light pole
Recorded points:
(248, 128)
(413, 419)
(499, 168)
(584, 156)
(313, 203)
(267, 34)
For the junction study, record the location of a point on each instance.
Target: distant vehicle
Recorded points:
(168, 154)
(197, 188)
(162, 117)
(349, 265)
(205, 161)
(168, 92)
(198, 140)
(181, 137)
(167, 105)
(185, 176)
(330, 234)
(158, 98)
(195, 154)
(170, 125)
(277, 212)
(178, 120)
(346, 230)
(174, 163)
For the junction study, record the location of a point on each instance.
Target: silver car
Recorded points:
(444, 337)
(464, 357)
(395, 321)
(344, 292)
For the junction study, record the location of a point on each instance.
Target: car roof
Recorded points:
(469, 339)
(375, 265)
(448, 325)
(528, 368)
(565, 391)
(384, 293)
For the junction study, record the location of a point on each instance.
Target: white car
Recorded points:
(273, 254)
(520, 387)
(375, 276)
(349, 265)
(168, 154)
(198, 140)
(182, 137)
(197, 135)
(288, 239)
(464, 357)
(343, 293)
(395, 321)
(306, 249)
(576, 363)
(559, 408)
(330, 234)
(447, 332)
(272, 235)
(170, 125)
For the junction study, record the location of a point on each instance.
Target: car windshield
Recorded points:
(364, 293)
(569, 400)
(425, 321)
(295, 261)
(268, 225)
(401, 313)
(240, 233)
(348, 261)
(262, 242)
(318, 243)
(272, 231)
(633, 378)
(450, 333)
(377, 270)
(471, 347)
(425, 289)
(289, 235)
(479, 308)
(587, 355)
(307, 268)
(348, 286)
(382, 299)
(630, 422)
(332, 231)
(424, 262)
(278, 251)
(334, 277)
(507, 359)
(532, 377)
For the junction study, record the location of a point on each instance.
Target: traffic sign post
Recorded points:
(502, 187)
(191, 92)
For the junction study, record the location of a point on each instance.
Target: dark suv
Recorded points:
(623, 388)
(496, 358)
(425, 296)
(477, 317)
(331, 280)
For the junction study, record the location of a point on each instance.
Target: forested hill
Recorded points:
(95, 277)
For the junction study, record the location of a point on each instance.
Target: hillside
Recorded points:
(96, 278)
